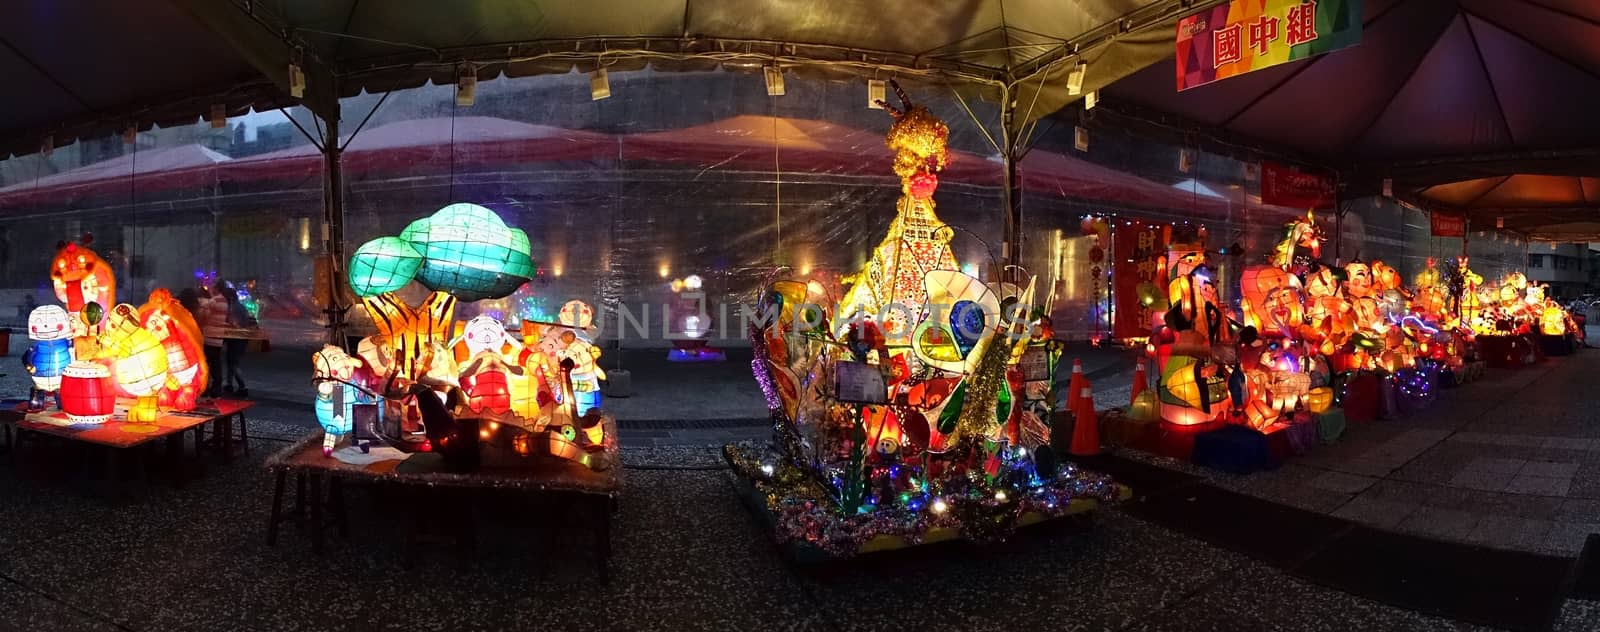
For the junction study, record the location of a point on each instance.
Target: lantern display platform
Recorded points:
(1234, 449)
(1556, 346)
(1330, 424)
(1291, 436)
(1177, 440)
(1506, 352)
(809, 529)
(439, 493)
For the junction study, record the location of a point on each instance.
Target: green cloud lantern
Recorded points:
(383, 265)
(463, 249)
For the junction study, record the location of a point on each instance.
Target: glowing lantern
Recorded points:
(1319, 399)
(487, 384)
(1145, 408)
(1260, 414)
(80, 276)
(469, 251)
(336, 397)
(180, 336)
(88, 395)
(50, 352)
(1553, 320)
(383, 265)
(139, 361)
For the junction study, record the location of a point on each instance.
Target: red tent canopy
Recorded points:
(398, 146)
(1061, 175)
(752, 142)
(150, 169)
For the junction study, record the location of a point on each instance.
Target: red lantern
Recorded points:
(488, 390)
(88, 394)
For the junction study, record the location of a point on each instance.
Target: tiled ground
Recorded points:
(1511, 461)
(688, 557)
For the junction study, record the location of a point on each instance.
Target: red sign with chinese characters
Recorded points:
(1139, 256)
(1282, 185)
(1448, 225)
(1245, 35)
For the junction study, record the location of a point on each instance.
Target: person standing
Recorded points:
(212, 314)
(234, 347)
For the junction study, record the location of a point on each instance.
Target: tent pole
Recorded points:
(1011, 245)
(333, 228)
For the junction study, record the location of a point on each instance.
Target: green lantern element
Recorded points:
(468, 251)
(92, 313)
(383, 265)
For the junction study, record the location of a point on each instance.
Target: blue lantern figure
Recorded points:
(50, 329)
(336, 396)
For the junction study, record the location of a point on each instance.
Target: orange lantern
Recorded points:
(1319, 399)
(88, 395)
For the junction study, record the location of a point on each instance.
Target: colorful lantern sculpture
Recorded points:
(917, 242)
(50, 329)
(180, 336)
(88, 394)
(337, 395)
(80, 276)
(1271, 301)
(138, 360)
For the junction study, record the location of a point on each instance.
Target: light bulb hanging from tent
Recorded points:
(1075, 78)
(876, 93)
(466, 85)
(599, 85)
(774, 77)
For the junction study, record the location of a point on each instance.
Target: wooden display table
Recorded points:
(122, 438)
(434, 494)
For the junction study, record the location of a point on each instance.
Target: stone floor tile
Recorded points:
(1557, 469)
(1342, 482)
(1482, 480)
(1539, 485)
(1385, 514)
(1496, 464)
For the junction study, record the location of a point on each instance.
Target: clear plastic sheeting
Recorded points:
(675, 175)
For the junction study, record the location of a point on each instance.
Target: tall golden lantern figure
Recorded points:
(917, 242)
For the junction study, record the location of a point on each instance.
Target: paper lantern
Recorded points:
(1319, 399)
(469, 251)
(180, 336)
(80, 276)
(139, 361)
(487, 384)
(49, 327)
(385, 264)
(1553, 321)
(1145, 407)
(88, 394)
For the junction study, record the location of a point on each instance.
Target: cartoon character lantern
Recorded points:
(333, 370)
(80, 276)
(1271, 301)
(49, 354)
(180, 336)
(138, 360)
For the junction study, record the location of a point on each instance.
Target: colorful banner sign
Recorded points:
(1282, 185)
(1448, 225)
(1245, 35)
(1139, 276)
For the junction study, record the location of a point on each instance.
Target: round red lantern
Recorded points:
(88, 394)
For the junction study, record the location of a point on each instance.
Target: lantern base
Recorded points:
(144, 410)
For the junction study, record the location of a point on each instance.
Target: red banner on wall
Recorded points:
(1448, 225)
(1139, 257)
(1282, 185)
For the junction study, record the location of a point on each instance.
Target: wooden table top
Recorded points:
(117, 432)
(539, 473)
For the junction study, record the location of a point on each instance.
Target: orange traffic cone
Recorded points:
(1075, 386)
(1139, 380)
(1085, 425)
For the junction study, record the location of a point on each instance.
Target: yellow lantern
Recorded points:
(1553, 321)
(138, 361)
(1319, 399)
(1146, 407)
